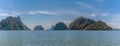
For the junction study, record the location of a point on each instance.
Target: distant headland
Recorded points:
(81, 23)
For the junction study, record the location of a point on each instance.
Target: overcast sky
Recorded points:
(49, 12)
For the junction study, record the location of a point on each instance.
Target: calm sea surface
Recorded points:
(59, 38)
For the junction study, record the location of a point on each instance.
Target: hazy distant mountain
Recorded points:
(38, 27)
(12, 23)
(60, 26)
(52, 28)
(82, 23)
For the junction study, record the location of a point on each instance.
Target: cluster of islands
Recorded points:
(81, 23)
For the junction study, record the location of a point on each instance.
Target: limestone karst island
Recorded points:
(81, 23)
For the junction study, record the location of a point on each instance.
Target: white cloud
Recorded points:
(100, 14)
(105, 14)
(4, 14)
(9, 14)
(43, 12)
(57, 12)
(94, 15)
(84, 4)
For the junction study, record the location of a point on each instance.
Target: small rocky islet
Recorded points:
(38, 27)
(60, 26)
(81, 23)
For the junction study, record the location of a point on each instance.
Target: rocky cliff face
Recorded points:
(60, 26)
(38, 27)
(98, 26)
(82, 23)
(12, 23)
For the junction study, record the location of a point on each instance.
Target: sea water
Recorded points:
(60, 38)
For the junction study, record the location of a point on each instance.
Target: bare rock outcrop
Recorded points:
(12, 23)
(82, 23)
